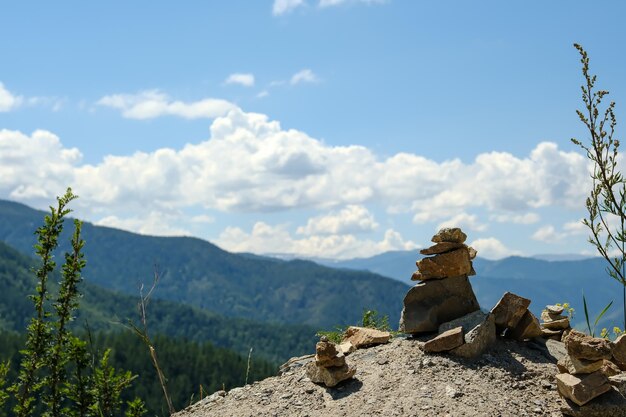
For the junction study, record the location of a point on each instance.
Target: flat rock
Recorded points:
(478, 339)
(449, 234)
(346, 347)
(330, 376)
(554, 309)
(575, 366)
(466, 322)
(619, 352)
(364, 336)
(295, 363)
(551, 334)
(449, 264)
(431, 303)
(509, 310)
(561, 324)
(581, 346)
(556, 349)
(442, 247)
(610, 404)
(527, 328)
(584, 388)
(447, 340)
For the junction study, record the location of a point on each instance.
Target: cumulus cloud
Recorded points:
(154, 224)
(349, 220)
(264, 238)
(492, 248)
(153, 103)
(526, 218)
(285, 6)
(8, 101)
(250, 164)
(330, 3)
(303, 76)
(549, 234)
(246, 80)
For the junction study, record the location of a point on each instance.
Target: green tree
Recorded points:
(606, 204)
(57, 376)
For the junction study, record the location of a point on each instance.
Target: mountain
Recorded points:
(104, 309)
(198, 273)
(542, 281)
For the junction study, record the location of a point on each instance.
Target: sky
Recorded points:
(317, 128)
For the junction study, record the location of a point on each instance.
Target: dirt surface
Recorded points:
(398, 379)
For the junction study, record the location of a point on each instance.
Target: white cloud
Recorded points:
(330, 3)
(263, 93)
(549, 234)
(526, 218)
(153, 103)
(246, 80)
(303, 76)
(8, 101)
(153, 224)
(351, 219)
(285, 6)
(492, 248)
(464, 221)
(264, 238)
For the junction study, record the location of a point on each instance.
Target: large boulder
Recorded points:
(431, 303)
(581, 346)
(445, 265)
(509, 310)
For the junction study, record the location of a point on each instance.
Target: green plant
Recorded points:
(606, 204)
(592, 329)
(56, 375)
(373, 321)
(566, 308)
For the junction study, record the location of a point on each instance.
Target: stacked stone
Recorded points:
(444, 301)
(329, 367)
(591, 367)
(554, 324)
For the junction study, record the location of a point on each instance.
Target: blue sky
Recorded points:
(334, 128)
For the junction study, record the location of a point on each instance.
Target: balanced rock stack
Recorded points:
(554, 324)
(329, 367)
(514, 319)
(444, 301)
(591, 367)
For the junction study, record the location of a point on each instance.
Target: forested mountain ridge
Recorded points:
(104, 309)
(198, 273)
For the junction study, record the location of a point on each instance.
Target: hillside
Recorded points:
(198, 273)
(398, 379)
(103, 309)
(544, 282)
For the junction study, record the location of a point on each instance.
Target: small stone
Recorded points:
(575, 366)
(582, 389)
(581, 346)
(619, 382)
(447, 340)
(452, 392)
(527, 328)
(509, 310)
(346, 347)
(442, 247)
(609, 368)
(554, 309)
(551, 334)
(449, 234)
(472, 252)
(449, 264)
(619, 352)
(363, 336)
(329, 376)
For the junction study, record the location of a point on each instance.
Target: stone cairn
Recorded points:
(329, 367)
(555, 325)
(444, 301)
(591, 367)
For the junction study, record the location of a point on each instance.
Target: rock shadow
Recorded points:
(345, 389)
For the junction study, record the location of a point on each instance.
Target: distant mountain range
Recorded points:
(544, 281)
(197, 273)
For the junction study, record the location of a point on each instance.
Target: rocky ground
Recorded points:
(399, 379)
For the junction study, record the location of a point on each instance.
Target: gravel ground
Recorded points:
(398, 379)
